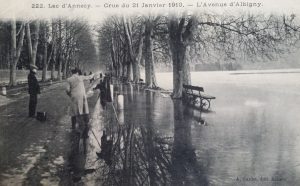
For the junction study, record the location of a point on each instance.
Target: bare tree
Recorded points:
(54, 48)
(151, 23)
(123, 37)
(16, 47)
(255, 36)
(32, 41)
(60, 53)
(180, 32)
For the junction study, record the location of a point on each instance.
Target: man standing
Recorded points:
(79, 104)
(33, 90)
(101, 87)
(107, 81)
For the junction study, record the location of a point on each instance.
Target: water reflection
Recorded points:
(77, 157)
(185, 168)
(141, 155)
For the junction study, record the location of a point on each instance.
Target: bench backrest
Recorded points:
(200, 89)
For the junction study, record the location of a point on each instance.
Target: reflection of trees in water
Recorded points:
(185, 168)
(136, 160)
(140, 156)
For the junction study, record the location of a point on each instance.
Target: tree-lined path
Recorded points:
(34, 152)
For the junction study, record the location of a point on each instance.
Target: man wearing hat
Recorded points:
(33, 90)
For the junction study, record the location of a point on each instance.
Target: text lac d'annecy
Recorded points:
(65, 6)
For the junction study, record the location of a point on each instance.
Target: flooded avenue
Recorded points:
(248, 137)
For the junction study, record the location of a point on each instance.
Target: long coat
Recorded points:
(33, 84)
(76, 91)
(106, 82)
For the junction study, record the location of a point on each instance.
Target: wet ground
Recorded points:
(249, 137)
(34, 152)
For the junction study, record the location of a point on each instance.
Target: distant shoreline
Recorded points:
(245, 73)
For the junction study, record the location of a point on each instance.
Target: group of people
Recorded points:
(104, 87)
(79, 109)
(76, 91)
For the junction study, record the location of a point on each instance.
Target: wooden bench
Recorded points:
(194, 95)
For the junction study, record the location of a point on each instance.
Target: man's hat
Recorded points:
(33, 67)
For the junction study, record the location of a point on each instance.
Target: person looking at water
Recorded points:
(79, 105)
(101, 77)
(107, 81)
(101, 87)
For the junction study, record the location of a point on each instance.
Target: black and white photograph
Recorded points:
(149, 93)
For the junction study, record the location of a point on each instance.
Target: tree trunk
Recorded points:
(124, 70)
(44, 73)
(186, 68)
(53, 64)
(53, 50)
(32, 46)
(113, 56)
(148, 53)
(35, 41)
(12, 76)
(137, 73)
(53, 71)
(64, 75)
(59, 75)
(15, 51)
(178, 54)
(178, 45)
(120, 70)
(129, 71)
(29, 44)
(66, 66)
(68, 46)
(153, 77)
(186, 74)
(45, 59)
(131, 74)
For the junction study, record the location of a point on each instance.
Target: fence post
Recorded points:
(4, 93)
(112, 92)
(120, 102)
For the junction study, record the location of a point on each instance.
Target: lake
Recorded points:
(252, 134)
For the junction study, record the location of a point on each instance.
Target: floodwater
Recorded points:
(250, 136)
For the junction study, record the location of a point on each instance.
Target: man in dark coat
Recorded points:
(33, 90)
(106, 81)
(101, 87)
(104, 87)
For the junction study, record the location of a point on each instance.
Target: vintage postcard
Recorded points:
(149, 92)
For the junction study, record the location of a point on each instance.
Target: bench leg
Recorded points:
(190, 100)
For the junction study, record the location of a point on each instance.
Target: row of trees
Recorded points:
(56, 44)
(128, 43)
